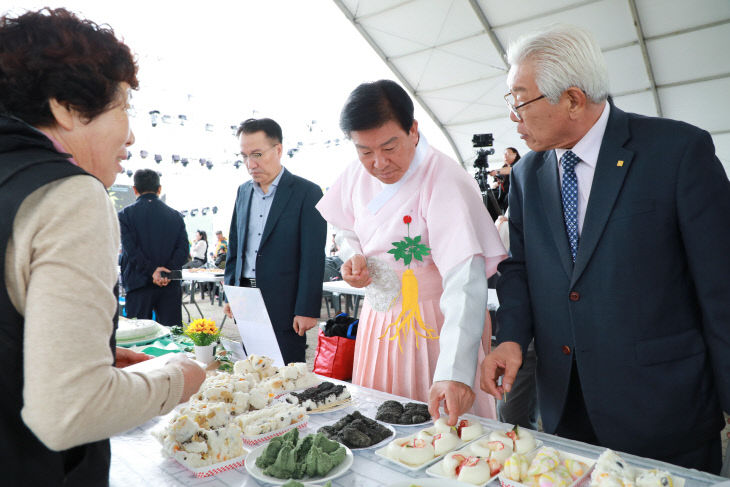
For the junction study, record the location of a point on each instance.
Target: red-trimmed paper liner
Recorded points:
(582, 481)
(257, 440)
(216, 468)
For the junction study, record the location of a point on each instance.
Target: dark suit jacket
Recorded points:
(153, 235)
(290, 259)
(646, 308)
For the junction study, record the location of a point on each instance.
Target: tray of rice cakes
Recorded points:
(232, 411)
(612, 470)
(203, 441)
(546, 467)
(430, 445)
(482, 460)
(275, 420)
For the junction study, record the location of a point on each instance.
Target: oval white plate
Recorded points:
(258, 474)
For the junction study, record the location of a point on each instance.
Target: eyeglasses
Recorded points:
(254, 156)
(509, 98)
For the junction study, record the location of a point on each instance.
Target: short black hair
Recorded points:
(371, 105)
(146, 181)
(265, 125)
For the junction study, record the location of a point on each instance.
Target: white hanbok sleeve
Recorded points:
(348, 244)
(464, 305)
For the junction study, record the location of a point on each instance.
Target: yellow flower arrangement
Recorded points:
(202, 332)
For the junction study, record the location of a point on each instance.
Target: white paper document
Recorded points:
(254, 325)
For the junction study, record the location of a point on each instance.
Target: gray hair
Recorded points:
(564, 56)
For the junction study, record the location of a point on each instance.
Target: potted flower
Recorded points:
(204, 334)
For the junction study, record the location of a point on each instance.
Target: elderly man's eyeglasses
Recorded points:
(510, 100)
(254, 156)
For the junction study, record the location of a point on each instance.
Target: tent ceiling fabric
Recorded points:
(665, 58)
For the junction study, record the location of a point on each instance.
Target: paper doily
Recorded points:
(385, 288)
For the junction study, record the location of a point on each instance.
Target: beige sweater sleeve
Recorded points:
(60, 272)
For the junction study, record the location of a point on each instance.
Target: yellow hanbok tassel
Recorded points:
(410, 315)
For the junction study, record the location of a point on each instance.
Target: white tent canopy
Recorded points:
(665, 58)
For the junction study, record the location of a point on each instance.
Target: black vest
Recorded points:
(24, 460)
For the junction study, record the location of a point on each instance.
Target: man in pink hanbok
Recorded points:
(425, 344)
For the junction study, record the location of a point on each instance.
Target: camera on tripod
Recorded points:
(481, 175)
(482, 140)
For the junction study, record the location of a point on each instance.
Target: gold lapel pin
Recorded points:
(620, 163)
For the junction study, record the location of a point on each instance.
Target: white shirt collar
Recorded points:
(588, 147)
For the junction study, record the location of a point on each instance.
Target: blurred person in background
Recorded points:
(199, 250)
(154, 241)
(64, 129)
(501, 177)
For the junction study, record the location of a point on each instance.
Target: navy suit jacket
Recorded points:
(290, 258)
(645, 310)
(153, 235)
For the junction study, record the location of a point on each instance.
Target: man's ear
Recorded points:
(65, 116)
(577, 100)
(136, 193)
(159, 190)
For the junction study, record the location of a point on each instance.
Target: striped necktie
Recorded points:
(570, 199)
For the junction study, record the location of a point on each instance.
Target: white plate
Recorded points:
(258, 474)
(162, 331)
(436, 470)
(380, 443)
(407, 425)
(428, 483)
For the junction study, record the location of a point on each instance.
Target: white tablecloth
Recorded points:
(202, 276)
(137, 458)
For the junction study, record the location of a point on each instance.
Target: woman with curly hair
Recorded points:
(64, 129)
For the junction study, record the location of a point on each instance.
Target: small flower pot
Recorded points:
(205, 353)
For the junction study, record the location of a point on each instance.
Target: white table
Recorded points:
(137, 459)
(197, 277)
(353, 295)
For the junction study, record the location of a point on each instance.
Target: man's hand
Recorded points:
(504, 361)
(458, 398)
(303, 323)
(157, 279)
(193, 374)
(355, 271)
(227, 310)
(126, 357)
